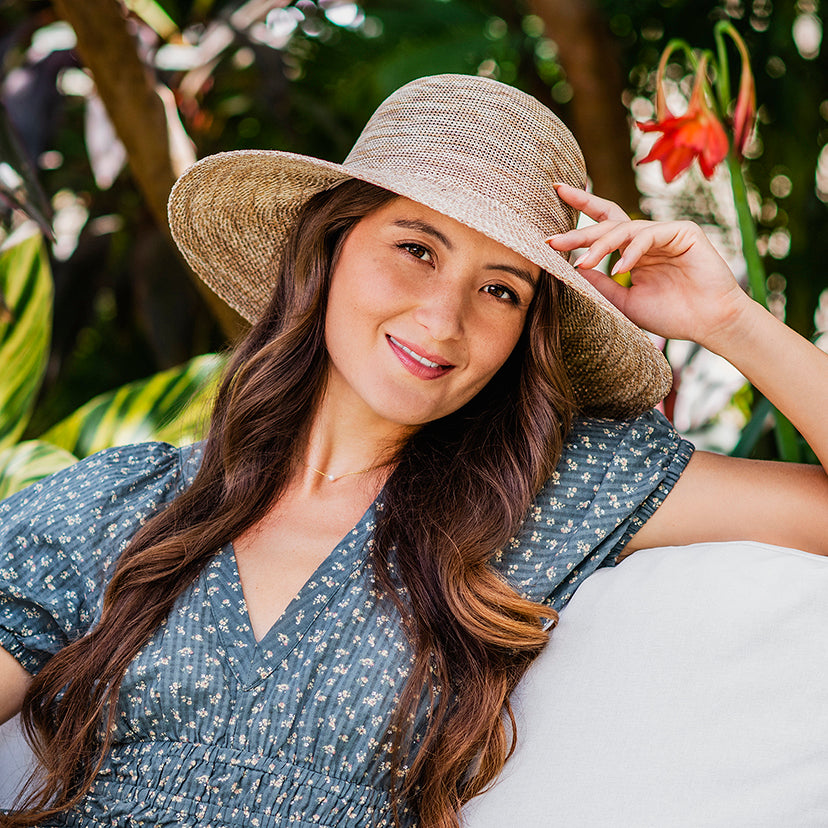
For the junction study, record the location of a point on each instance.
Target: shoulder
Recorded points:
(650, 431)
(611, 476)
(61, 537)
(599, 448)
(101, 478)
(106, 495)
(610, 471)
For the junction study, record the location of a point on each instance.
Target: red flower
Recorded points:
(745, 113)
(696, 134)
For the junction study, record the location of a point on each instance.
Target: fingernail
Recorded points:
(580, 260)
(618, 267)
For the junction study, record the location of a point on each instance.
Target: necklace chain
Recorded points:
(334, 477)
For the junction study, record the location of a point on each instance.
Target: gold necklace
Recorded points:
(334, 477)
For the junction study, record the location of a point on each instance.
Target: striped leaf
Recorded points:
(25, 328)
(24, 463)
(172, 406)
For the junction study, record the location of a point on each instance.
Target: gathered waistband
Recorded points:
(161, 783)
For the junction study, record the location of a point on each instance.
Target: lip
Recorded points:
(414, 366)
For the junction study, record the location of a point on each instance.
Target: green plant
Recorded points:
(714, 135)
(171, 405)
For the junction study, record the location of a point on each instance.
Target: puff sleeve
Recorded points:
(60, 539)
(612, 476)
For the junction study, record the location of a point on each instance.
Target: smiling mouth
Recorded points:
(414, 355)
(419, 365)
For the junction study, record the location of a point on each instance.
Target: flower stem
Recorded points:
(747, 229)
(722, 81)
(787, 441)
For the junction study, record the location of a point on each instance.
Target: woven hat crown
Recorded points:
(479, 140)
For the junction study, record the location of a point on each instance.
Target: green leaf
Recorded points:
(172, 406)
(27, 462)
(753, 430)
(788, 442)
(787, 439)
(25, 328)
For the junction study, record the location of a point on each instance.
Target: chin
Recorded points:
(408, 415)
(409, 420)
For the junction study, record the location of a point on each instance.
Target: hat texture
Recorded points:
(471, 148)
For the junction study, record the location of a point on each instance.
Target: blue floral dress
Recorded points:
(215, 728)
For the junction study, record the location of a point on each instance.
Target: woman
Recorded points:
(429, 390)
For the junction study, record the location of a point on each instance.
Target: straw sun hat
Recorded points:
(471, 148)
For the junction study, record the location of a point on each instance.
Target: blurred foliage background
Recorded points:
(104, 102)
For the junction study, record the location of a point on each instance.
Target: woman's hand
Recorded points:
(681, 288)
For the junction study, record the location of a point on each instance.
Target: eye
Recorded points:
(417, 251)
(503, 293)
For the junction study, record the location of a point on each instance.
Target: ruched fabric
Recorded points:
(232, 787)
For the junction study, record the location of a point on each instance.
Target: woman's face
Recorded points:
(422, 312)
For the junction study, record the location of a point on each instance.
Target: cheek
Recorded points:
(365, 289)
(498, 343)
(348, 304)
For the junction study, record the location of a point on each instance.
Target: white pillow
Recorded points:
(15, 761)
(686, 687)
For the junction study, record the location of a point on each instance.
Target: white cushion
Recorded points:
(686, 687)
(15, 761)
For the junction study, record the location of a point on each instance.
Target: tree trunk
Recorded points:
(128, 90)
(599, 119)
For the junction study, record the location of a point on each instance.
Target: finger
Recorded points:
(612, 290)
(664, 239)
(648, 236)
(600, 209)
(581, 237)
(617, 237)
(632, 253)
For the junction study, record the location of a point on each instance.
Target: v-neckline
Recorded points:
(253, 661)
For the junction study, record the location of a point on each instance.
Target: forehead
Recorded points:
(401, 213)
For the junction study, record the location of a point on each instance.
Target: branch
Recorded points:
(588, 54)
(128, 90)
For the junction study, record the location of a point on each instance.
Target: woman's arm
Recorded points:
(682, 289)
(14, 681)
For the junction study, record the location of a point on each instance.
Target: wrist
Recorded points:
(739, 320)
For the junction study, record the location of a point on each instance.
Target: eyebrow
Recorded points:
(424, 227)
(521, 273)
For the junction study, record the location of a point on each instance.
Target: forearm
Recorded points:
(790, 371)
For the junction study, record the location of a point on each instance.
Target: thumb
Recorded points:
(607, 286)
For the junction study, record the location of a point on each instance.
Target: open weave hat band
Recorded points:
(534, 204)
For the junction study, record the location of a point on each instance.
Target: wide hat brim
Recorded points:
(231, 213)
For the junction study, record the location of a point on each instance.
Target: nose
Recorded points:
(441, 311)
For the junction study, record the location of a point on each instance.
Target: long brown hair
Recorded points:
(461, 489)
